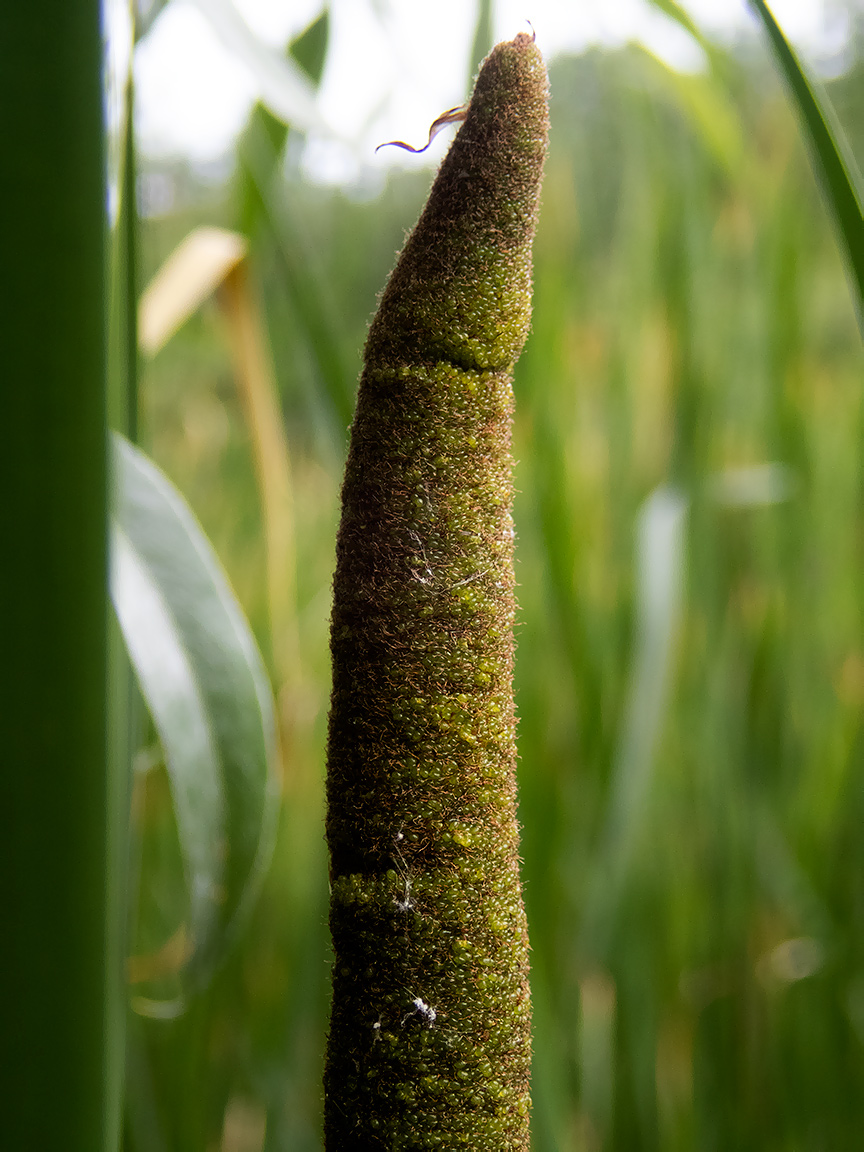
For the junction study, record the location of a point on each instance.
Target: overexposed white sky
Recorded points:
(394, 65)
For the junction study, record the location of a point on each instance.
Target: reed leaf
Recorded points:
(204, 683)
(830, 154)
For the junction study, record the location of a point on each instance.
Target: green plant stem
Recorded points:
(57, 941)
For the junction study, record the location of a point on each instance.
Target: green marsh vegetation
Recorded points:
(690, 661)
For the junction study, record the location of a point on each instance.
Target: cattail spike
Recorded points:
(429, 1041)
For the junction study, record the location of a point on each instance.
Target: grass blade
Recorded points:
(259, 395)
(830, 153)
(660, 589)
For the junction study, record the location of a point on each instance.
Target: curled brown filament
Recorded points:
(451, 116)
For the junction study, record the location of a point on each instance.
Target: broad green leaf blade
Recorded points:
(835, 166)
(205, 685)
(169, 685)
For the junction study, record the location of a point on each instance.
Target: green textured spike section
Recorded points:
(429, 1043)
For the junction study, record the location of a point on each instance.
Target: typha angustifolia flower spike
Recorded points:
(429, 1042)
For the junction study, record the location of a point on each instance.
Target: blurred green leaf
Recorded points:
(265, 133)
(309, 49)
(283, 83)
(481, 45)
(204, 683)
(710, 109)
(718, 59)
(660, 547)
(265, 205)
(832, 158)
(265, 213)
(146, 13)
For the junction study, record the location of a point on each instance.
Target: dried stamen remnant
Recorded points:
(429, 1041)
(451, 116)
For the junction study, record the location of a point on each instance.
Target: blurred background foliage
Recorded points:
(696, 905)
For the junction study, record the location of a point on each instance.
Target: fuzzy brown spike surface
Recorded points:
(429, 1043)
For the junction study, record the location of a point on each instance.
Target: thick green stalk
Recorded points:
(54, 795)
(429, 1041)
